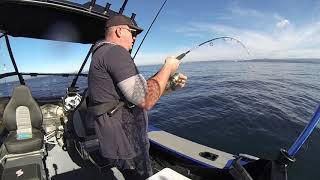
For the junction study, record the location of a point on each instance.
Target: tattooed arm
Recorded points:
(157, 84)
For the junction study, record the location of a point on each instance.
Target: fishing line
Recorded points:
(149, 28)
(211, 44)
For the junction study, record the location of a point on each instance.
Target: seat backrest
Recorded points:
(22, 110)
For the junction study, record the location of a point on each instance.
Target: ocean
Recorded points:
(251, 107)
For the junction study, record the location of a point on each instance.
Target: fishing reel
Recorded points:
(173, 81)
(72, 99)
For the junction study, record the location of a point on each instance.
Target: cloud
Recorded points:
(269, 35)
(283, 23)
(236, 10)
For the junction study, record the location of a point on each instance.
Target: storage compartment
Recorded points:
(26, 172)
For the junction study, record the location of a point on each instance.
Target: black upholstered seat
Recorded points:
(21, 97)
(15, 146)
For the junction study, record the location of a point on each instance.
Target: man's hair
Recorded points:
(107, 31)
(112, 29)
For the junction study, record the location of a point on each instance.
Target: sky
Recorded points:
(269, 29)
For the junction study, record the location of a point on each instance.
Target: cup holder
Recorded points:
(208, 155)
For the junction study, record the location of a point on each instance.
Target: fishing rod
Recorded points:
(305, 134)
(285, 157)
(210, 42)
(149, 28)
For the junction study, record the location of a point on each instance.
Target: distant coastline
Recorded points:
(289, 60)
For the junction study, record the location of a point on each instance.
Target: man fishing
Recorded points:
(119, 97)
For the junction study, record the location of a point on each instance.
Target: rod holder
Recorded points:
(123, 6)
(92, 3)
(106, 8)
(133, 15)
(284, 157)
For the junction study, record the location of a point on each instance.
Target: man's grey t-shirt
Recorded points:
(123, 135)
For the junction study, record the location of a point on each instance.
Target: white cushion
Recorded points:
(169, 174)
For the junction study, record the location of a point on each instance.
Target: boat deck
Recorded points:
(61, 167)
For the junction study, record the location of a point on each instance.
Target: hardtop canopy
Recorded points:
(55, 19)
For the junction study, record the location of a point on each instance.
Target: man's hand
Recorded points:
(157, 83)
(172, 64)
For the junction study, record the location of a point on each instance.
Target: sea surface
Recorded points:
(246, 107)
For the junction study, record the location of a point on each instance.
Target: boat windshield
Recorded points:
(43, 56)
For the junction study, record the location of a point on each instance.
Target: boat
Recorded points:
(54, 139)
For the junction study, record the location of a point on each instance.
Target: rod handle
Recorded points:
(181, 56)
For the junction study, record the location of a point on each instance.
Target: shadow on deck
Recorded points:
(85, 174)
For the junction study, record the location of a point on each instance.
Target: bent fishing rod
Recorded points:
(173, 80)
(210, 42)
